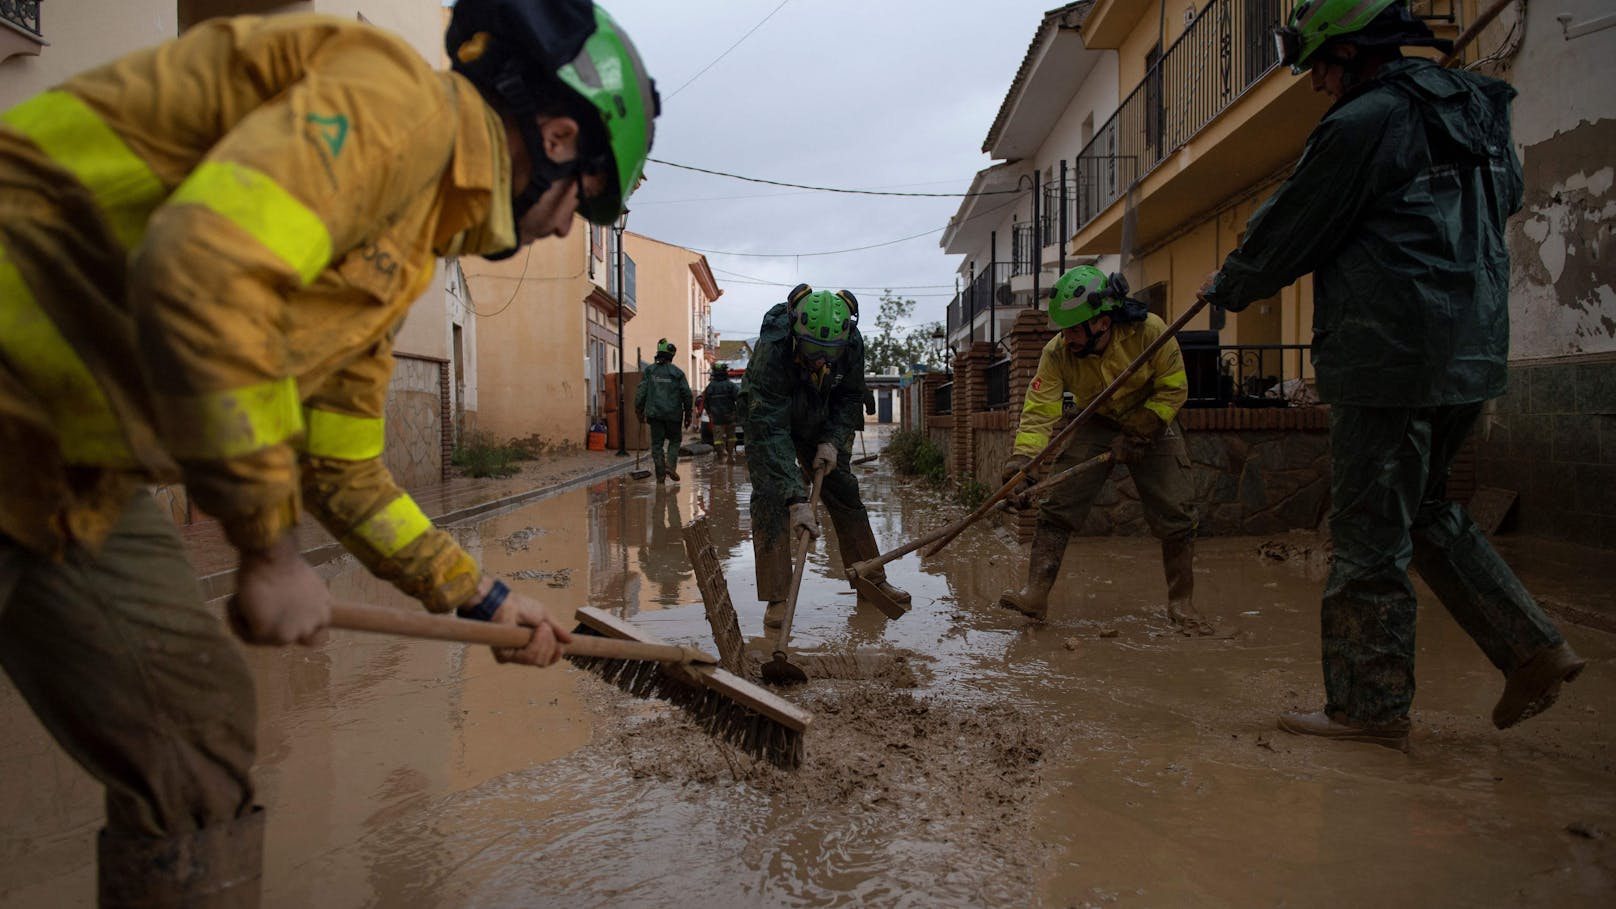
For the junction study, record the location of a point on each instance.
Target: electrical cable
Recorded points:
(526, 261)
(709, 66)
(837, 252)
(834, 189)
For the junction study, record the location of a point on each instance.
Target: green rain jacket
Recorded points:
(1397, 207)
(663, 393)
(719, 400)
(785, 410)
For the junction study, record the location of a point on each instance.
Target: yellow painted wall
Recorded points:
(662, 295)
(530, 340)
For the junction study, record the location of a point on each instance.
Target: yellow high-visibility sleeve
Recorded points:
(1041, 409)
(350, 491)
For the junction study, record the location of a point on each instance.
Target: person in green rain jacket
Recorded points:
(719, 402)
(664, 401)
(803, 399)
(1397, 207)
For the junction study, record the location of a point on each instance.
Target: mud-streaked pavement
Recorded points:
(1099, 760)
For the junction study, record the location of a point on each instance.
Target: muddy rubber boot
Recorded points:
(774, 615)
(858, 544)
(217, 867)
(1534, 687)
(1048, 548)
(673, 475)
(1335, 725)
(1178, 563)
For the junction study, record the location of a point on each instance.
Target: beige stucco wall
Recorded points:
(82, 34)
(662, 296)
(530, 340)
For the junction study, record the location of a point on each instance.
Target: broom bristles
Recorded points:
(755, 733)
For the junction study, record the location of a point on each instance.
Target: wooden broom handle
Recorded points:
(360, 617)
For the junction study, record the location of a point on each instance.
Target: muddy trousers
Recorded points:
(139, 682)
(723, 438)
(771, 543)
(1162, 477)
(1389, 471)
(665, 438)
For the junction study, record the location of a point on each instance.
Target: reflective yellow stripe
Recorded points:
(394, 527)
(229, 424)
(336, 435)
(1042, 408)
(1173, 380)
(1161, 410)
(261, 207)
(1031, 440)
(86, 427)
(78, 139)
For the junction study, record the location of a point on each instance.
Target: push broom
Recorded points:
(722, 704)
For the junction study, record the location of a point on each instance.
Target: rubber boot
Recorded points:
(773, 562)
(1328, 725)
(1534, 687)
(858, 544)
(1178, 563)
(217, 867)
(1043, 565)
(774, 615)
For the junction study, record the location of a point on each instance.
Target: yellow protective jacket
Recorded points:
(1160, 385)
(205, 251)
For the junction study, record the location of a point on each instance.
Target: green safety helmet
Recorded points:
(822, 323)
(522, 54)
(1083, 293)
(664, 347)
(721, 369)
(1370, 23)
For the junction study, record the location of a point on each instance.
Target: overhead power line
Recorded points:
(834, 189)
(709, 66)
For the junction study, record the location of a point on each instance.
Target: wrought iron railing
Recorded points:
(998, 385)
(1223, 52)
(1248, 375)
(1024, 248)
(943, 399)
(22, 13)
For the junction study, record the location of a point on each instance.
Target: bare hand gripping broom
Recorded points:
(723, 705)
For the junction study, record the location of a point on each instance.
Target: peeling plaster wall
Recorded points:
(1563, 281)
(1552, 437)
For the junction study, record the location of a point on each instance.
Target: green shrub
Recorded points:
(914, 454)
(972, 494)
(479, 456)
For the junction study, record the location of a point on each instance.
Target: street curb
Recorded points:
(223, 583)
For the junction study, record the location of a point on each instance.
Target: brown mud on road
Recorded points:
(1098, 760)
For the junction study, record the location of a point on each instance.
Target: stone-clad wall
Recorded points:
(415, 423)
(1552, 439)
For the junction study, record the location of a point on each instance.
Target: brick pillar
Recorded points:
(1027, 337)
(446, 417)
(970, 398)
(929, 383)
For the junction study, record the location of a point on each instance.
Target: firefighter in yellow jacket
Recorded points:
(206, 249)
(1101, 332)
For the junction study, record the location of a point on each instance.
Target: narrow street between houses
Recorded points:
(1100, 760)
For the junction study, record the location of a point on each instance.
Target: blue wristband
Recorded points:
(488, 605)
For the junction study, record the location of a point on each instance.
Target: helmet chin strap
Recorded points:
(543, 173)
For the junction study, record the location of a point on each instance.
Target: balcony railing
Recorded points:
(1225, 50)
(943, 398)
(1025, 248)
(22, 13)
(1245, 375)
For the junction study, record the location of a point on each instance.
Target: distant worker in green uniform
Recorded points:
(1101, 332)
(719, 401)
(1397, 207)
(664, 401)
(804, 398)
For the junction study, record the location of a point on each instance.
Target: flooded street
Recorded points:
(1100, 760)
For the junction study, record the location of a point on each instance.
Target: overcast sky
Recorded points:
(868, 94)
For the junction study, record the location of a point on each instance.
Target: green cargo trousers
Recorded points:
(772, 543)
(665, 438)
(133, 675)
(1162, 477)
(1388, 508)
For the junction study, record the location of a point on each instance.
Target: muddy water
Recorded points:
(1100, 760)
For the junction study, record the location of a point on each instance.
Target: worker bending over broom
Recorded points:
(804, 399)
(1102, 331)
(206, 248)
